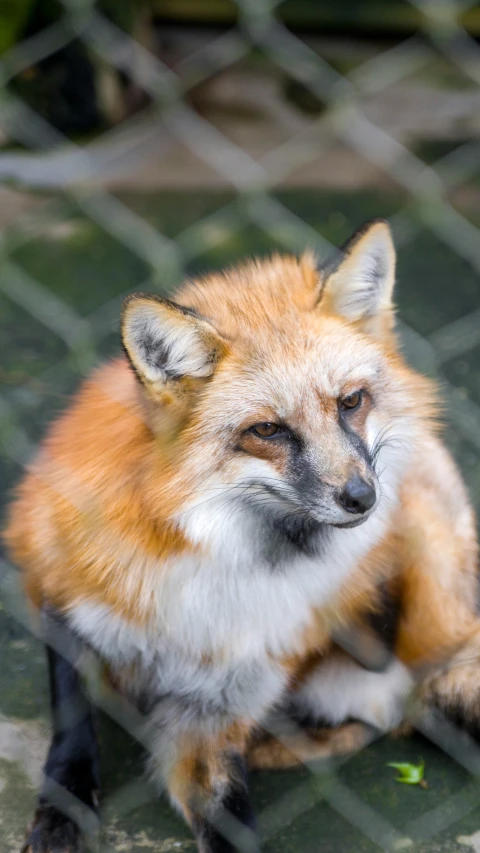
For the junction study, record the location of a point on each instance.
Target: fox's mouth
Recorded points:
(346, 525)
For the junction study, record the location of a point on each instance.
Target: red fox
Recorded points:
(260, 473)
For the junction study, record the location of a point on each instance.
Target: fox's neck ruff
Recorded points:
(241, 595)
(231, 603)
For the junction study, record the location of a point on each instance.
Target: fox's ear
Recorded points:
(165, 341)
(359, 284)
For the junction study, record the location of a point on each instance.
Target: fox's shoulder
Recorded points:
(80, 525)
(91, 450)
(104, 417)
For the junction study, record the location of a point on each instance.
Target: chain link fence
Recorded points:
(175, 183)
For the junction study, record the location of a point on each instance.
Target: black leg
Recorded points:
(230, 825)
(68, 800)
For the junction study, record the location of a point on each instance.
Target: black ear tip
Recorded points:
(132, 297)
(139, 296)
(331, 263)
(370, 225)
(378, 220)
(126, 302)
(366, 230)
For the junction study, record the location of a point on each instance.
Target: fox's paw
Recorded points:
(53, 832)
(456, 693)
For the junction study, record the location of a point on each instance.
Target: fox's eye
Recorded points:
(352, 401)
(266, 430)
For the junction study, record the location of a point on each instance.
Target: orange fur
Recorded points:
(82, 514)
(96, 517)
(91, 499)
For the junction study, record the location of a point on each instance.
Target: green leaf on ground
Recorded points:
(409, 774)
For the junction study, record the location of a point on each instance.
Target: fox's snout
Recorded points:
(357, 496)
(348, 503)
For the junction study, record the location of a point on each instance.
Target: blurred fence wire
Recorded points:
(82, 173)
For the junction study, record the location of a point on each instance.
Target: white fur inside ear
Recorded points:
(362, 285)
(164, 344)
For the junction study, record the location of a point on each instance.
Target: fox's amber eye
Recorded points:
(266, 430)
(352, 401)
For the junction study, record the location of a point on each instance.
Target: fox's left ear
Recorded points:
(359, 287)
(167, 343)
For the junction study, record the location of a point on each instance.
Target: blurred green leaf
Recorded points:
(409, 774)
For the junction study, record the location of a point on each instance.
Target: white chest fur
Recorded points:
(231, 606)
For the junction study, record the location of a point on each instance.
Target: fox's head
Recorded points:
(287, 395)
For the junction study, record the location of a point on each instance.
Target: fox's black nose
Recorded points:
(357, 496)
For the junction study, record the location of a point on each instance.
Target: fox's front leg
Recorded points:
(67, 806)
(207, 781)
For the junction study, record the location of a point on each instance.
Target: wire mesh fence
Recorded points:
(82, 194)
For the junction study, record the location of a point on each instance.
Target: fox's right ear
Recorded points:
(165, 341)
(358, 286)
